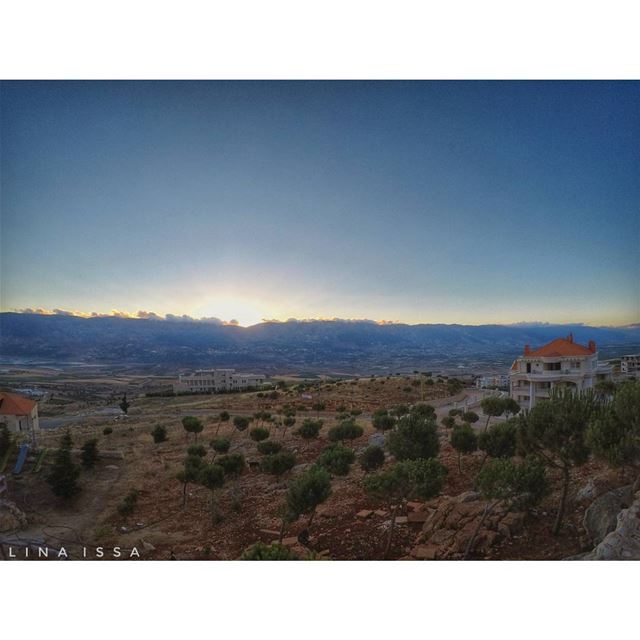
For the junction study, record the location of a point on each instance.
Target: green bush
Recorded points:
(128, 504)
(337, 459)
(423, 410)
(241, 422)
(269, 447)
(309, 429)
(414, 438)
(278, 463)
(383, 421)
(220, 445)
(258, 434)
(448, 422)
(470, 416)
(196, 450)
(307, 491)
(346, 430)
(159, 433)
(464, 441)
(191, 424)
(522, 485)
(107, 430)
(499, 440)
(261, 551)
(64, 474)
(232, 463)
(89, 455)
(372, 458)
(5, 439)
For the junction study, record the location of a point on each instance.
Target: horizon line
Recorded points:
(184, 318)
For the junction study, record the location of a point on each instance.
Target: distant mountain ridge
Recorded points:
(284, 346)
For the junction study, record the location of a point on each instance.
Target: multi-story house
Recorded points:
(561, 362)
(630, 366)
(216, 380)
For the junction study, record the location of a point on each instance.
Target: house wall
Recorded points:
(22, 424)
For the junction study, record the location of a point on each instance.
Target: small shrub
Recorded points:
(89, 455)
(107, 431)
(196, 450)
(337, 459)
(232, 463)
(128, 504)
(220, 445)
(346, 430)
(278, 463)
(414, 438)
(269, 447)
(309, 429)
(372, 458)
(258, 434)
(262, 551)
(159, 433)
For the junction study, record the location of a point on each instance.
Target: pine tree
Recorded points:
(64, 473)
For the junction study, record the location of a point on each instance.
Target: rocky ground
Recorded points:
(348, 526)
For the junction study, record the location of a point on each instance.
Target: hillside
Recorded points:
(289, 346)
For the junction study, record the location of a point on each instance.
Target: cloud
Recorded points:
(148, 315)
(170, 317)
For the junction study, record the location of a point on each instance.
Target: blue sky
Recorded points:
(416, 202)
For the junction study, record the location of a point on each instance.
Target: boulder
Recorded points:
(424, 552)
(376, 439)
(11, 517)
(468, 496)
(601, 518)
(623, 543)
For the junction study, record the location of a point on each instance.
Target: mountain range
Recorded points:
(270, 347)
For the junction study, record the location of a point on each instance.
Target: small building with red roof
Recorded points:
(20, 414)
(561, 362)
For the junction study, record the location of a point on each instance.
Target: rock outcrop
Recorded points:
(601, 518)
(450, 522)
(11, 517)
(623, 543)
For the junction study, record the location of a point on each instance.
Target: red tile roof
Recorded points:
(11, 404)
(562, 347)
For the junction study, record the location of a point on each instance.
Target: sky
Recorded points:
(473, 203)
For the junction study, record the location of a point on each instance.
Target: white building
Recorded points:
(562, 362)
(20, 414)
(496, 380)
(216, 380)
(630, 366)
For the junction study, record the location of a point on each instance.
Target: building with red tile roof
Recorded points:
(20, 414)
(561, 362)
